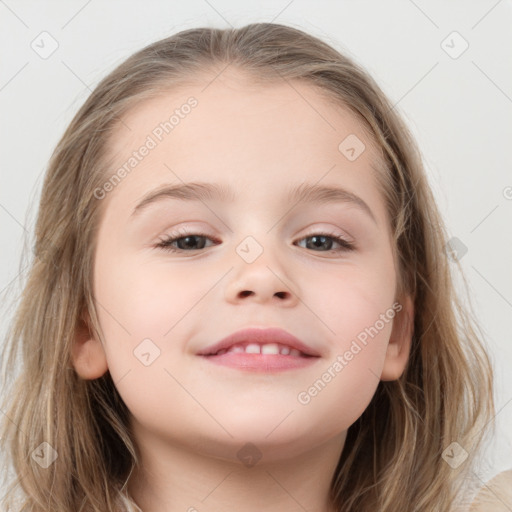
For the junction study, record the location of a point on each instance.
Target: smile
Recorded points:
(263, 348)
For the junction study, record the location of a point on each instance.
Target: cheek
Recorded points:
(352, 298)
(139, 309)
(357, 308)
(142, 313)
(344, 387)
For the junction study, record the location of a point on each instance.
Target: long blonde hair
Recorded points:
(395, 454)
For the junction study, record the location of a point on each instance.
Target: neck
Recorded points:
(175, 478)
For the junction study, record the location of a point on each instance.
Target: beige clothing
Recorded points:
(495, 495)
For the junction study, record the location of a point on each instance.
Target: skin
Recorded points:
(190, 417)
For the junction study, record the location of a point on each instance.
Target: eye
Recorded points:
(188, 241)
(319, 240)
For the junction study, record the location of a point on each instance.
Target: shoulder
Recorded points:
(495, 495)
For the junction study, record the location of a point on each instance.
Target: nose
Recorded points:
(262, 281)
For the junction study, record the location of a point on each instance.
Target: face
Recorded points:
(251, 258)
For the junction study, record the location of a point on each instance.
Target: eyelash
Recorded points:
(166, 242)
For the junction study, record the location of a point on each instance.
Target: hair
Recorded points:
(393, 454)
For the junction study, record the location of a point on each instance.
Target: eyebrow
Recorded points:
(203, 191)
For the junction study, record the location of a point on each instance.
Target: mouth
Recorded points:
(263, 350)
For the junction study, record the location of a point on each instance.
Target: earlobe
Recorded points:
(400, 341)
(87, 354)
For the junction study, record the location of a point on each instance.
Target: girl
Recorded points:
(309, 354)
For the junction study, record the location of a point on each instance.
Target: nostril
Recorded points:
(246, 293)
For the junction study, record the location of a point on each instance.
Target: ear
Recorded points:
(87, 354)
(400, 340)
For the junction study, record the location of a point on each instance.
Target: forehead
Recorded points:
(232, 105)
(242, 133)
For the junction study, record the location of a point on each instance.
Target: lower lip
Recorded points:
(261, 362)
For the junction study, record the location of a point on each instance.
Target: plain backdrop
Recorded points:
(445, 65)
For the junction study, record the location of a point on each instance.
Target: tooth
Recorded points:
(266, 348)
(270, 348)
(236, 348)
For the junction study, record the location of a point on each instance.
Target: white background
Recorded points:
(459, 109)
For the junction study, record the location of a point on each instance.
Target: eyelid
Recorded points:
(175, 235)
(335, 232)
(339, 238)
(348, 244)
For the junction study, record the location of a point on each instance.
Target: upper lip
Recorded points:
(253, 335)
